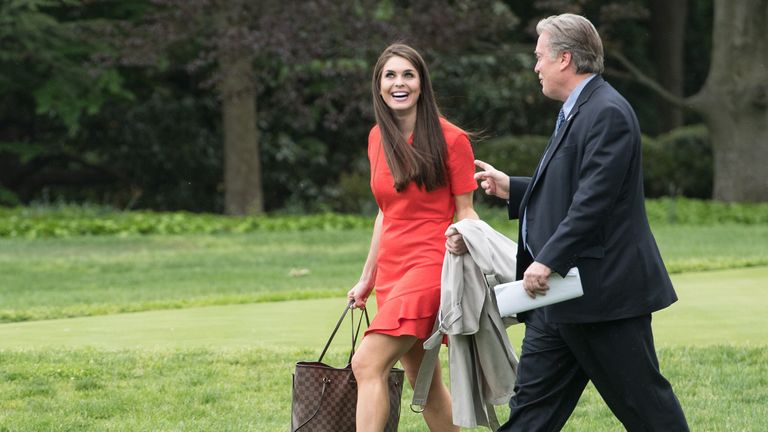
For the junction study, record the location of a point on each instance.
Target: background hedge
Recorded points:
(678, 163)
(69, 221)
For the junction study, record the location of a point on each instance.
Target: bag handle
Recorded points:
(354, 332)
(319, 404)
(357, 331)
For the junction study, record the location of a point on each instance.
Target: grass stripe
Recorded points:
(721, 388)
(722, 307)
(57, 278)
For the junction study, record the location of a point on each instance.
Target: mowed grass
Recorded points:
(54, 278)
(722, 388)
(228, 368)
(57, 278)
(715, 308)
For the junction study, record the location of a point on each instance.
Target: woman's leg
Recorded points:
(371, 365)
(437, 412)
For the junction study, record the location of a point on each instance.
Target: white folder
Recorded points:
(512, 298)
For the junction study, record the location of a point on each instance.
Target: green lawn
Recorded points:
(206, 347)
(55, 278)
(193, 369)
(51, 278)
(708, 313)
(722, 388)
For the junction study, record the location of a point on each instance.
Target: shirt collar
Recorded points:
(574, 96)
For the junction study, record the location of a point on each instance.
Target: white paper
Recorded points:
(512, 298)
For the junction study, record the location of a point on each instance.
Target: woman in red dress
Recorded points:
(422, 170)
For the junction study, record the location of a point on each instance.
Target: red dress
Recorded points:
(412, 243)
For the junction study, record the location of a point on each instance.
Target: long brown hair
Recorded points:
(424, 161)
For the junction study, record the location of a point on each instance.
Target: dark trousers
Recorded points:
(558, 360)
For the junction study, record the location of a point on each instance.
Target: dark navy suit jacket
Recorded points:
(585, 207)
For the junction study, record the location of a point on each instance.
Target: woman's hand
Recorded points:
(454, 243)
(359, 294)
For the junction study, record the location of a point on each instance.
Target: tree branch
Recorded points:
(650, 82)
(620, 74)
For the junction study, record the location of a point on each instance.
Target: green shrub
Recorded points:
(8, 197)
(678, 163)
(675, 163)
(515, 155)
(353, 193)
(69, 221)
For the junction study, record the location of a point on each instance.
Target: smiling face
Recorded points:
(549, 67)
(400, 85)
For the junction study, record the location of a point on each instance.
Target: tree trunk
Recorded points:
(740, 156)
(734, 100)
(667, 37)
(242, 164)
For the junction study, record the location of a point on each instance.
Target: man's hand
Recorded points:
(493, 181)
(535, 279)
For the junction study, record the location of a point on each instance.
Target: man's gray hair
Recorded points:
(576, 35)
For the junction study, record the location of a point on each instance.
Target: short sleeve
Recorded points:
(461, 165)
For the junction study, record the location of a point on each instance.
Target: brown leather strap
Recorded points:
(326, 381)
(354, 332)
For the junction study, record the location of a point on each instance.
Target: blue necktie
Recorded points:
(560, 120)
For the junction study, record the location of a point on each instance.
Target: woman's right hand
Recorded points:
(359, 294)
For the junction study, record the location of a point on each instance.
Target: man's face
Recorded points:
(549, 69)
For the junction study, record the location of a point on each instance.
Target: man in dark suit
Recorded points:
(584, 208)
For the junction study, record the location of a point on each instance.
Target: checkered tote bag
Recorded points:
(325, 398)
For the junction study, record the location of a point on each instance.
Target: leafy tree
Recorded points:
(49, 81)
(290, 76)
(731, 97)
(734, 99)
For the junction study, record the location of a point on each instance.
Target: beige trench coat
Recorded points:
(483, 365)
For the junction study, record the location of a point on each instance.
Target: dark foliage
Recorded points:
(117, 102)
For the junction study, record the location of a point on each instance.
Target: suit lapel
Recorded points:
(556, 139)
